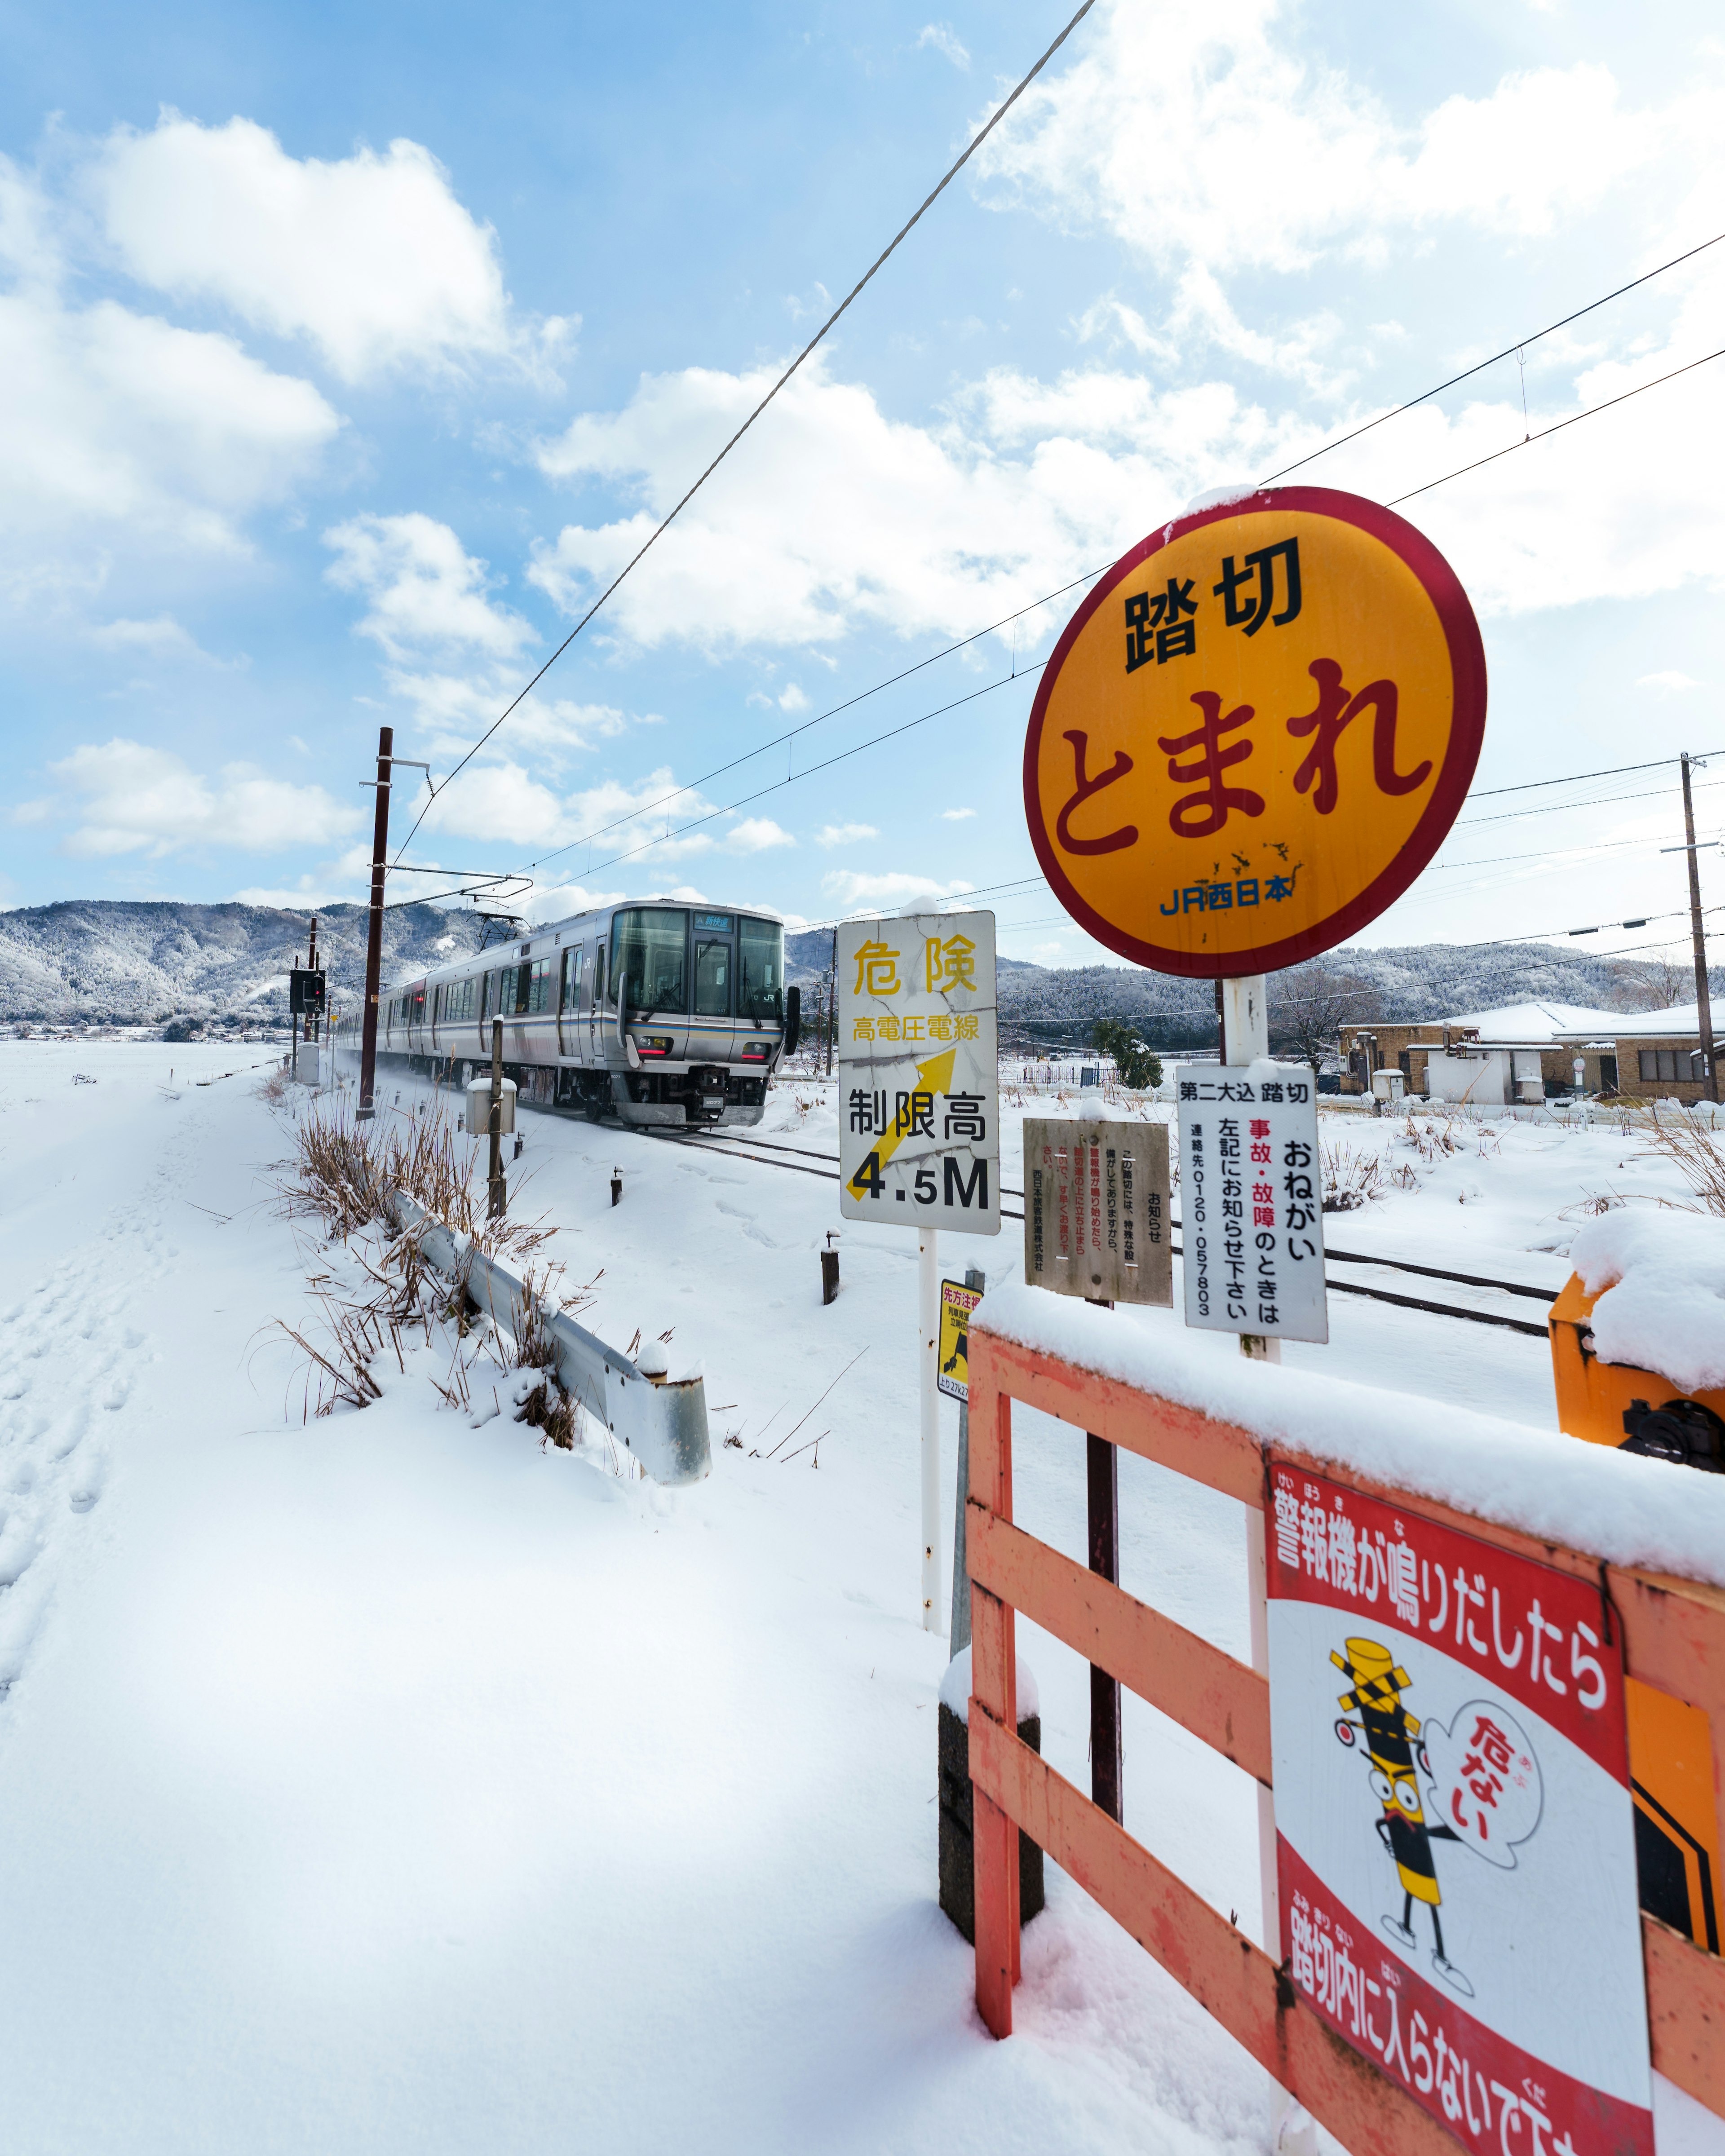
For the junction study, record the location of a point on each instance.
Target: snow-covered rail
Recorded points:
(758, 1151)
(662, 1420)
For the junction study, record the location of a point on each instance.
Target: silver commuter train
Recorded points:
(654, 1013)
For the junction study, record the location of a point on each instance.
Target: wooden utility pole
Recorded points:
(374, 931)
(1702, 997)
(833, 1003)
(498, 1195)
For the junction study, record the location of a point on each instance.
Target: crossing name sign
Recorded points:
(1254, 732)
(919, 1081)
(1253, 1191)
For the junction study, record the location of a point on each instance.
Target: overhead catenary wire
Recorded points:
(791, 733)
(1509, 352)
(1574, 420)
(664, 523)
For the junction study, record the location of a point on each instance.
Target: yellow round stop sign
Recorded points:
(1254, 732)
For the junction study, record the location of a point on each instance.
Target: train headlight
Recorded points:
(653, 1044)
(757, 1051)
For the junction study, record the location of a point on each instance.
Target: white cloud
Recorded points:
(370, 258)
(1672, 681)
(834, 515)
(754, 834)
(844, 834)
(957, 815)
(120, 433)
(504, 804)
(453, 652)
(852, 892)
(1204, 136)
(123, 797)
(793, 699)
(840, 518)
(941, 37)
(425, 590)
(162, 637)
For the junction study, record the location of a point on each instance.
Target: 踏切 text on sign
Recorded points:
(1254, 732)
(1251, 1203)
(919, 1086)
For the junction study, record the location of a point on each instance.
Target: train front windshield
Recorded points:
(760, 980)
(650, 964)
(649, 951)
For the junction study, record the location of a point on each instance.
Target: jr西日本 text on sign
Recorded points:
(1251, 1200)
(919, 1091)
(1096, 1209)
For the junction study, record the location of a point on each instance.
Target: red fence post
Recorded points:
(993, 1660)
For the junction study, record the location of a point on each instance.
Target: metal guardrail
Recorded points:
(662, 1421)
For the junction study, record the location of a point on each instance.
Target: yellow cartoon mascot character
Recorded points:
(1391, 1735)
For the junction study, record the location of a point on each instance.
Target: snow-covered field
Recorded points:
(388, 1783)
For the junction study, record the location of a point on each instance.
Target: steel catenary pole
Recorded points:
(1703, 999)
(374, 930)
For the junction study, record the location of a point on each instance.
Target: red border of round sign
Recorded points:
(1467, 665)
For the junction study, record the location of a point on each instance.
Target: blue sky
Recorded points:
(345, 349)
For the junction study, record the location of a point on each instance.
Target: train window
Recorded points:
(535, 985)
(418, 1006)
(760, 983)
(571, 979)
(712, 979)
(505, 982)
(648, 955)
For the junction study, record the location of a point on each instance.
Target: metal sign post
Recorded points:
(919, 1119)
(374, 929)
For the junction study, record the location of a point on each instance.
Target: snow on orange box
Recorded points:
(1254, 732)
(1455, 1832)
(1264, 1425)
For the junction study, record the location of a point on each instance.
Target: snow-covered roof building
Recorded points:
(1657, 1054)
(1516, 1052)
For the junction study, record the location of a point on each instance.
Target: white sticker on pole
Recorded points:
(919, 1087)
(1252, 1193)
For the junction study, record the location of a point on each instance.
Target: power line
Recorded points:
(1563, 808)
(879, 261)
(1575, 777)
(778, 785)
(1574, 420)
(779, 741)
(1508, 352)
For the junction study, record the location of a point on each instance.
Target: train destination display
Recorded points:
(919, 1087)
(1254, 732)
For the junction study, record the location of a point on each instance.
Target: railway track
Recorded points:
(806, 1160)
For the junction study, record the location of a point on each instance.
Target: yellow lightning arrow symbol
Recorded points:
(934, 1077)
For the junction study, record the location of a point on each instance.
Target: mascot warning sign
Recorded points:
(1455, 1836)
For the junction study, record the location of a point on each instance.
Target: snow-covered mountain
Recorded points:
(1412, 982)
(112, 962)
